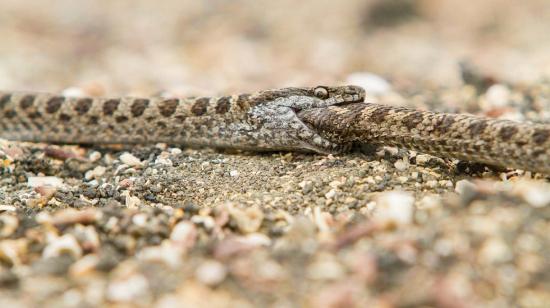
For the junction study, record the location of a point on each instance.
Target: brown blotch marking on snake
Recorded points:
(537, 153)
(34, 115)
(223, 105)
(180, 117)
(507, 132)
(26, 101)
(149, 119)
(4, 100)
(83, 105)
(54, 103)
(25, 125)
(379, 114)
(477, 127)
(161, 124)
(121, 119)
(200, 106)
(64, 117)
(168, 107)
(138, 107)
(110, 106)
(412, 120)
(444, 124)
(93, 120)
(540, 136)
(10, 114)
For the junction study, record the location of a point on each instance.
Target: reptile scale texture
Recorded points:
(319, 119)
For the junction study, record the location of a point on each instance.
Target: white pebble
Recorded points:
(130, 159)
(394, 207)
(234, 173)
(464, 186)
(401, 165)
(125, 290)
(73, 92)
(94, 156)
(211, 273)
(330, 194)
(184, 233)
(132, 201)
(498, 95)
(372, 83)
(61, 245)
(37, 181)
(537, 195)
(95, 173)
(495, 250)
(175, 151)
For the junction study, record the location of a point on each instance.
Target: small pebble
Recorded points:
(36, 181)
(130, 160)
(394, 207)
(373, 84)
(211, 272)
(66, 244)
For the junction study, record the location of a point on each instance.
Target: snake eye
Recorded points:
(321, 92)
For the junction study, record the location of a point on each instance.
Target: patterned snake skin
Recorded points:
(320, 119)
(264, 120)
(496, 142)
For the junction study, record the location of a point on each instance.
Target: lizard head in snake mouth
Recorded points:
(273, 116)
(319, 96)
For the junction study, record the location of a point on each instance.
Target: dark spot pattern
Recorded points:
(477, 127)
(34, 115)
(540, 136)
(538, 153)
(54, 103)
(121, 119)
(25, 125)
(138, 107)
(161, 125)
(64, 117)
(444, 124)
(412, 120)
(26, 101)
(200, 106)
(507, 132)
(93, 120)
(110, 106)
(223, 104)
(168, 107)
(379, 114)
(83, 105)
(4, 100)
(10, 114)
(180, 117)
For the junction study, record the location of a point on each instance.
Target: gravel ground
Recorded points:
(160, 225)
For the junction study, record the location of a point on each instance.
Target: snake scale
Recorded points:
(319, 119)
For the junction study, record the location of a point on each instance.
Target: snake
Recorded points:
(321, 119)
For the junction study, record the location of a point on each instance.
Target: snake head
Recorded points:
(274, 120)
(309, 97)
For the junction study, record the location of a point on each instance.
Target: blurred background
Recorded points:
(186, 46)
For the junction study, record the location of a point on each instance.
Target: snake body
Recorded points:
(261, 121)
(319, 119)
(501, 143)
